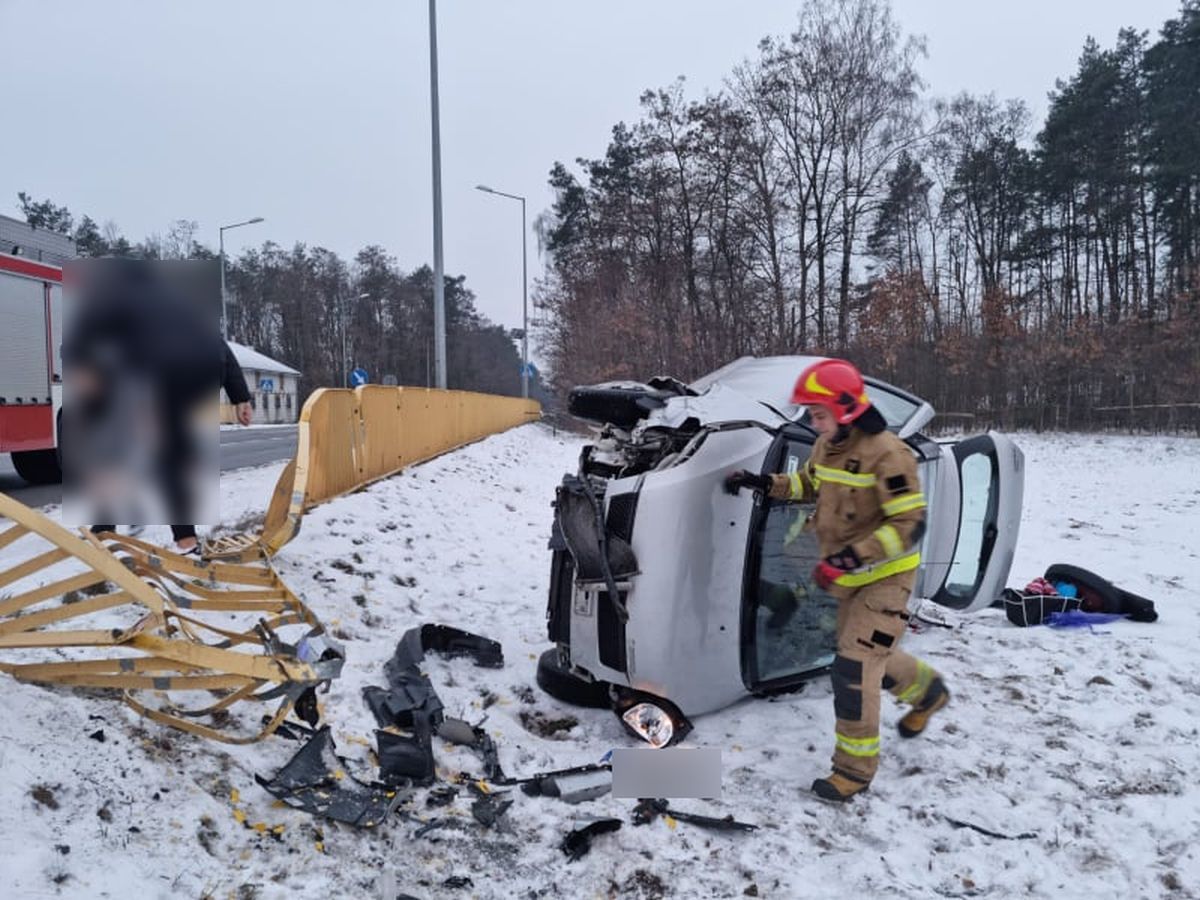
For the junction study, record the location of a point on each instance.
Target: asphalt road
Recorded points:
(240, 448)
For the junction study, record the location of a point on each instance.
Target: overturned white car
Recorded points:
(671, 598)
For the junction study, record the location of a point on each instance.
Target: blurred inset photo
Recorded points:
(143, 364)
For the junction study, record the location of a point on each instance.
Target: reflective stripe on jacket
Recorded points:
(868, 497)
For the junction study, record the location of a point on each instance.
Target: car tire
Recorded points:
(564, 685)
(38, 466)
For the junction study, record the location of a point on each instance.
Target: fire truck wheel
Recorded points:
(38, 466)
(564, 685)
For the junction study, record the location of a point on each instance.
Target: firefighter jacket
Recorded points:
(868, 497)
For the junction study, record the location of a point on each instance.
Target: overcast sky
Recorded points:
(315, 115)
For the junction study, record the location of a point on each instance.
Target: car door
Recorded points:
(974, 490)
(788, 623)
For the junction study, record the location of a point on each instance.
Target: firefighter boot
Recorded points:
(936, 696)
(838, 787)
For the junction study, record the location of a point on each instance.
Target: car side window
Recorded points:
(793, 621)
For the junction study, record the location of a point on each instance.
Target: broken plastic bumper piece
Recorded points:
(315, 780)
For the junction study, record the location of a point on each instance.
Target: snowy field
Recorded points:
(1085, 740)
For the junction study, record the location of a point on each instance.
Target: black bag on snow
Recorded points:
(1033, 609)
(1099, 595)
(1094, 594)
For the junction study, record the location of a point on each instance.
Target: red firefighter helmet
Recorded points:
(836, 385)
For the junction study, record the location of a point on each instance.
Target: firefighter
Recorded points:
(869, 518)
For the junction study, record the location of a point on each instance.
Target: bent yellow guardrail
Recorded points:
(184, 640)
(349, 438)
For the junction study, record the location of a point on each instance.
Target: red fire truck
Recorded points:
(31, 366)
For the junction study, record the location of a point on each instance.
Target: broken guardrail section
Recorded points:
(184, 640)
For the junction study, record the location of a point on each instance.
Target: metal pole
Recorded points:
(524, 309)
(524, 287)
(439, 298)
(366, 295)
(221, 240)
(224, 314)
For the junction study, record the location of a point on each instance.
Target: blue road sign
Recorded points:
(359, 377)
(529, 370)
(266, 385)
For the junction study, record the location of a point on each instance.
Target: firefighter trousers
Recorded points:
(870, 623)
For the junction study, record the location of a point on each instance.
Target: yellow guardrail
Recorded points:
(349, 438)
(170, 631)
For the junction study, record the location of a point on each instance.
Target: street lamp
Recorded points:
(524, 289)
(221, 238)
(439, 279)
(345, 330)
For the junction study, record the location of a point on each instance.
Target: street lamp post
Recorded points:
(221, 239)
(345, 331)
(439, 281)
(524, 289)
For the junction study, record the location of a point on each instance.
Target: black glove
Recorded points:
(741, 479)
(845, 559)
(835, 565)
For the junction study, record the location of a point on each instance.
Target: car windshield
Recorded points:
(895, 408)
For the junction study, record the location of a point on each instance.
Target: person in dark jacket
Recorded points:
(178, 455)
(236, 389)
(142, 359)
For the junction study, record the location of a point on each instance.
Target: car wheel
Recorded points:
(564, 685)
(38, 466)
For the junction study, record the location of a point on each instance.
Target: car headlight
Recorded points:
(658, 723)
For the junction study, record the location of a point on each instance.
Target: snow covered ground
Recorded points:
(1088, 741)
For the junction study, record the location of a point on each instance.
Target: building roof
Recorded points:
(249, 358)
(22, 239)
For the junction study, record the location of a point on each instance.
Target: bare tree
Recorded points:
(768, 186)
(879, 114)
(180, 241)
